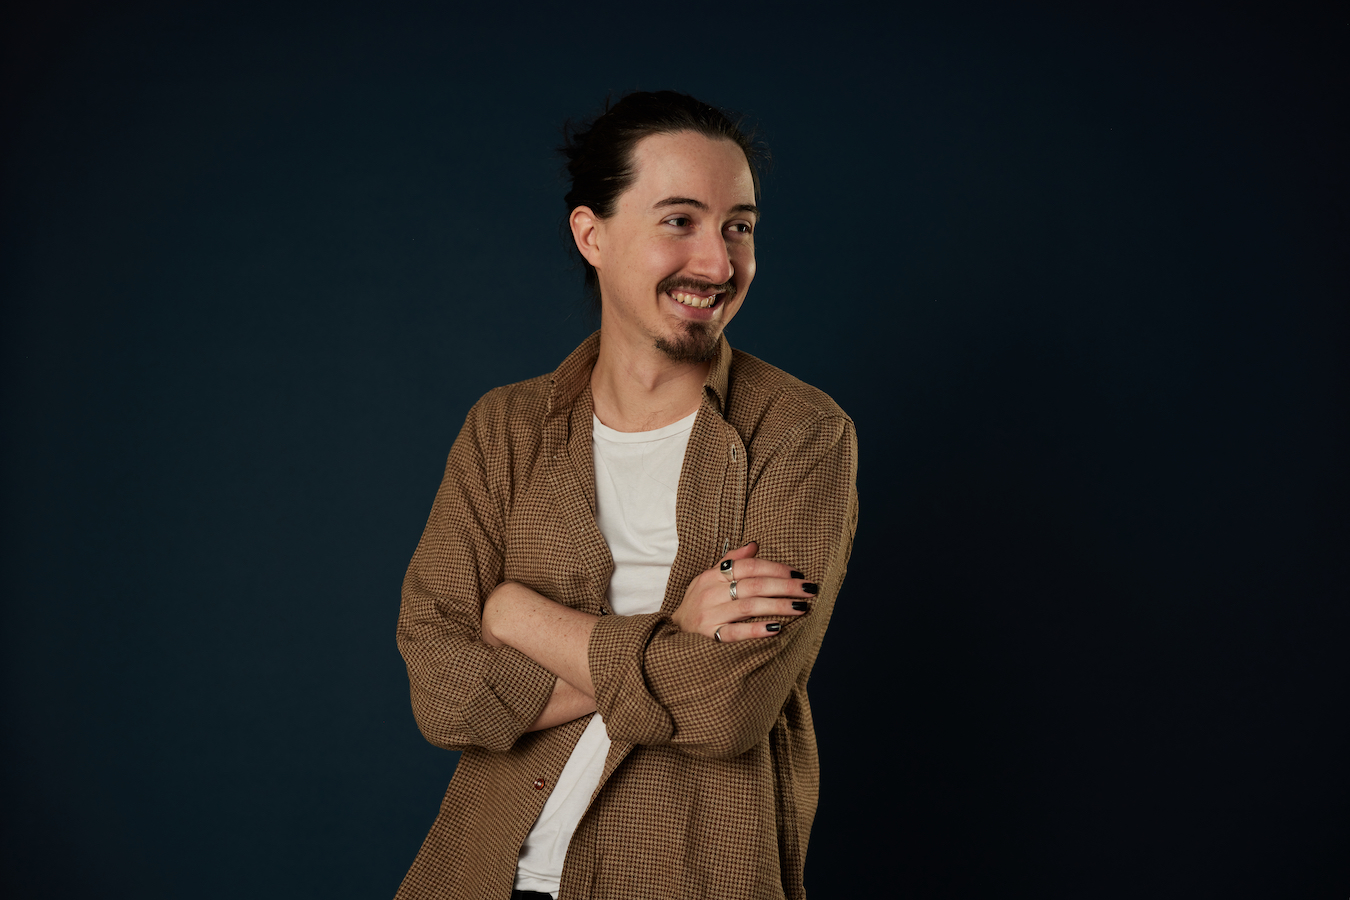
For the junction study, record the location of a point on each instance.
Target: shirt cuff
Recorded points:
(518, 689)
(617, 647)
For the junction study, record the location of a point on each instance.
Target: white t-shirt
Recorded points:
(636, 478)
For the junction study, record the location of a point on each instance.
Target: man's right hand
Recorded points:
(763, 588)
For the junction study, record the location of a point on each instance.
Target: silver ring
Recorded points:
(717, 635)
(728, 568)
(732, 587)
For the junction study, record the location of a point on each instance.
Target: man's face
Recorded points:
(677, 256)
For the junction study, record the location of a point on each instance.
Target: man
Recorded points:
(630, 563)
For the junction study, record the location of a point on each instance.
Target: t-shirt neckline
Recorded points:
(605, 433)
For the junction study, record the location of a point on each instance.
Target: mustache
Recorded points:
(678, 283)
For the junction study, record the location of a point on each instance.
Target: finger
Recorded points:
(764, 606)
(745, 552)
(748, 631)
(774, 587)
(727, 567)
(751, 568)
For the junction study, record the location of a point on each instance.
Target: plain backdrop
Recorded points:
(1078, 273)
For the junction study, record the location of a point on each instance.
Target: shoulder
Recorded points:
(510, 417)
(764, 402)
(524, 400)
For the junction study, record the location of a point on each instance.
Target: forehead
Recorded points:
(686, 164)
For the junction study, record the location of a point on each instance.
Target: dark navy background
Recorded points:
(1078, 273)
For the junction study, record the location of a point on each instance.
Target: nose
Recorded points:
(711, 260)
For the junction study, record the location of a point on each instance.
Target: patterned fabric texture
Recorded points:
(711, 782)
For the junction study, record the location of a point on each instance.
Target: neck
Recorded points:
(637, 388)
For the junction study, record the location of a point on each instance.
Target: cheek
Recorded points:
(654, 262)
(743, 259)
(667, 258)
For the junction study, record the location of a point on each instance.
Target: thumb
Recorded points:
(745, 552)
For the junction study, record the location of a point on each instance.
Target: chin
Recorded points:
(695, 342)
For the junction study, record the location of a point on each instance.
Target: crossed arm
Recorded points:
(557, 637)
(488, 661)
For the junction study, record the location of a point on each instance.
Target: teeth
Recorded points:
(693, 300)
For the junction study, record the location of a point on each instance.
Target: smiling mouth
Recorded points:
(694, 300)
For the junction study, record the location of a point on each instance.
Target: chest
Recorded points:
(554, 541)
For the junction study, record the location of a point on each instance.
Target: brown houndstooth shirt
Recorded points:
(710, 785)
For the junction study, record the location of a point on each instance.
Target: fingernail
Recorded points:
(795, 574)
(810, 588)
(726, 564)
(800, 605)
(772, 626)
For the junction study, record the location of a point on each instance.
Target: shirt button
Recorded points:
(539, 784)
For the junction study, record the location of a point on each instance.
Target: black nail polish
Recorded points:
(811, 588)
(772, 626)
(795, 574)
(726, 564)
(800, 605)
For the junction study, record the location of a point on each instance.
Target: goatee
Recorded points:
(699, 340)
(697, 343)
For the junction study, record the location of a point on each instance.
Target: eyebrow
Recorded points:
(700, 205)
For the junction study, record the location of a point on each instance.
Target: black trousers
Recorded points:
(530, 895)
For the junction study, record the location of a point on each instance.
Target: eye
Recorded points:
(679, 221)
(741, 227)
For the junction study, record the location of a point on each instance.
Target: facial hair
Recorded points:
(698, 341)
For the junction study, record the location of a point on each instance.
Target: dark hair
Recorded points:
(599, 150)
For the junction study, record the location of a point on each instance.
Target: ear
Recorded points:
(586, 232)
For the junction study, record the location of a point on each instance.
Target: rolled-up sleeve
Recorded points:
(656, 685)
(464, 692)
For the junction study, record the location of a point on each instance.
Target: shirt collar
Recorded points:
(574, 375)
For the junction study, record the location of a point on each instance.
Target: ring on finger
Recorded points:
(717, 635)
(729, 569)
(732, 589)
